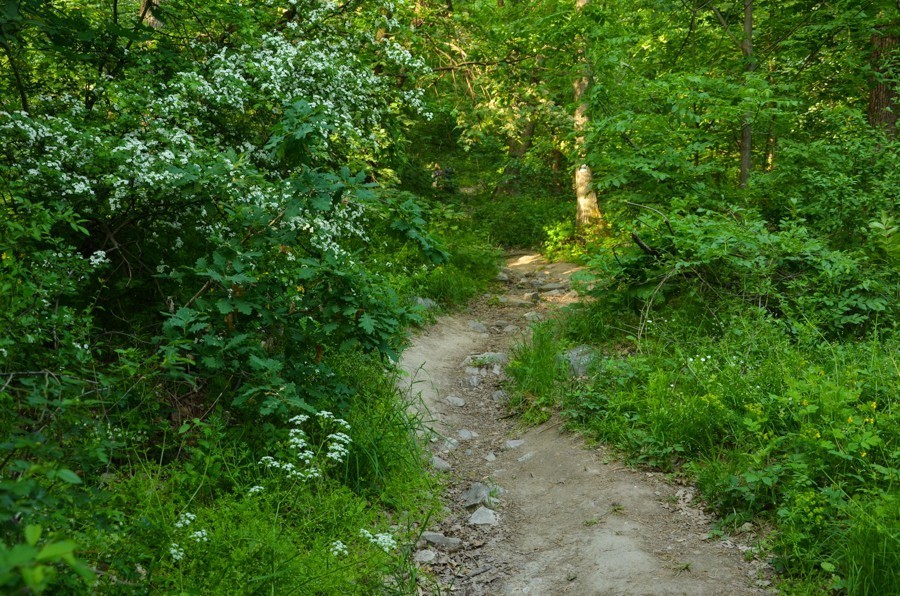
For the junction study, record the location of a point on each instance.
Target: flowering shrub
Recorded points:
(184, 214)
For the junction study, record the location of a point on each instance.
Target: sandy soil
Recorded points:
(559, 517)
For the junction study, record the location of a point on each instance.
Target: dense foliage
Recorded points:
(744, 289)
(201, 245)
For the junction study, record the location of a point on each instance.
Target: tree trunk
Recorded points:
(746, 46)
(147, 13)
(588, 216)
(747, 123)
(882, 98)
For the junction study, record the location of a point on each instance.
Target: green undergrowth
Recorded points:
(323, 503)
(800, 434)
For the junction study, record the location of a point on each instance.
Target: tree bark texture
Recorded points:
(883, 105)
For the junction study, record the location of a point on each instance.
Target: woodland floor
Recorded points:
(559, 516)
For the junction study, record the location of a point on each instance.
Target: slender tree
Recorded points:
(588, 213)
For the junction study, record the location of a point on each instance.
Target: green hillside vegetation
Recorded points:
(219, 222)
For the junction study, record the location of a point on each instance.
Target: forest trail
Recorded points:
(536, 511)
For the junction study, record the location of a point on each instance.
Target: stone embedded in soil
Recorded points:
(478, 327)
(483, 517)
(450, 444)
(456, 401)
(533, 317)
(424, 556)
(553, 286)
(467, 435)
(500, 396)
(513, 443)
(486, 359)
(471, 381)
(526, 457)
(512, 329)
(426, 303)
(445, 542)
(532, 296)
(501, 277)
(440, 464)
(477, 494)
(490, 456)
(516, 301)
(580, 359)
(554, 293)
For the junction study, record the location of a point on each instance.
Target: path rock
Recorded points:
(579, 359)
(534, 317)
(478, 327)
(555, 293)
(446, 542)
(471, 381)
(455, 401)
(525, 457)
(483, 517)
(426, 303)
(512, 329)
(450, 444)
(440, 464)
(467, 435)
(490, 457)
(485, 359)
(514, 301)
(554, 286)
(501, 277)
(532, 296)
(513, 444)
(477, 494)
(500, 396)
(424, 556)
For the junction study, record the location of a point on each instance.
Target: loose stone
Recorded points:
(426, 303)
(456, 401)
(478, 327)
(483, 517)
(513, 443)
(440, 464)
(467, 435)
(477, 494)
(446, 542)
(424, 556)
(553, 286)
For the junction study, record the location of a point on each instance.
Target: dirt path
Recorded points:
(536, 512)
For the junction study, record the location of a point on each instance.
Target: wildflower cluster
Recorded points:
(383, 541)
(176, 551)
(306, 460)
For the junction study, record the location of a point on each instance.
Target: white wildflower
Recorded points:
(338, 549)
(185, 519)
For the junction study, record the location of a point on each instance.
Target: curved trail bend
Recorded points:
(536, 511)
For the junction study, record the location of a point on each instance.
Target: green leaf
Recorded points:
(367, 323)
(68, 476)
(56, 550)
(32, 534)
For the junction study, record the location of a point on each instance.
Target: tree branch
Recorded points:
(724, 24)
